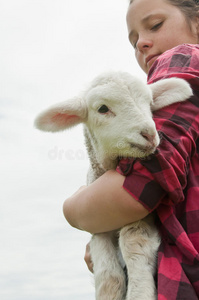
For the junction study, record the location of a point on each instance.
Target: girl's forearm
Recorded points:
(103, 206)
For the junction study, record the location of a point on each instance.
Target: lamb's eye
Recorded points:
(103, 109)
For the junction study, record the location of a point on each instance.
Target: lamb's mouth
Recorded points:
(134, 151)
(144, 149)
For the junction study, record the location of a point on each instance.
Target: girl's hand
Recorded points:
(87, 258)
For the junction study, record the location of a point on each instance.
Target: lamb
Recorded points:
(116, 111)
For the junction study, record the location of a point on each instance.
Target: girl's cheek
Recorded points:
(140, 60)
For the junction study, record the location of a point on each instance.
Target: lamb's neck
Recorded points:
(96, 169)
(98, 166)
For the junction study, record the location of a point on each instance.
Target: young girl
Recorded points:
(165, 34)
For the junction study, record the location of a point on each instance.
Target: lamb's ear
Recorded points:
(169, 91)
(62, 115)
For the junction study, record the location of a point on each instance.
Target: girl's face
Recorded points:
(155, 26)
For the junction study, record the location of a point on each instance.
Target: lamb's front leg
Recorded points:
(110, 282)
(139, 243)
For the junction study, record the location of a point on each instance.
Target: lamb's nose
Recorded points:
(149, 137)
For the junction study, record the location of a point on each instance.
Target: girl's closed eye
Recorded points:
(156, 26)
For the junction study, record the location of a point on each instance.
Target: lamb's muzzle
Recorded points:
(151, 138)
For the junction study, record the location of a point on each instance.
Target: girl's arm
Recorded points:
(103, 206)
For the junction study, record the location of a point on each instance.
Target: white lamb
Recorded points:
(117, 118)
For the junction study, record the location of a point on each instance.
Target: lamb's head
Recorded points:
(116, 112)
(119, 117)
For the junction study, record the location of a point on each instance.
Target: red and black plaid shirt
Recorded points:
(168, 182)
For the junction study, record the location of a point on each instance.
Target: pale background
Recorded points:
(49, 51)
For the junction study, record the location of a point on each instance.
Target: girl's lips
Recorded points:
(150, 60)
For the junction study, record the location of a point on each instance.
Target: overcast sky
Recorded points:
(50, 49)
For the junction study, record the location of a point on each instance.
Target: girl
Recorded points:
(165, 34)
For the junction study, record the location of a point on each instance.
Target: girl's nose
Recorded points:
(143, 44)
